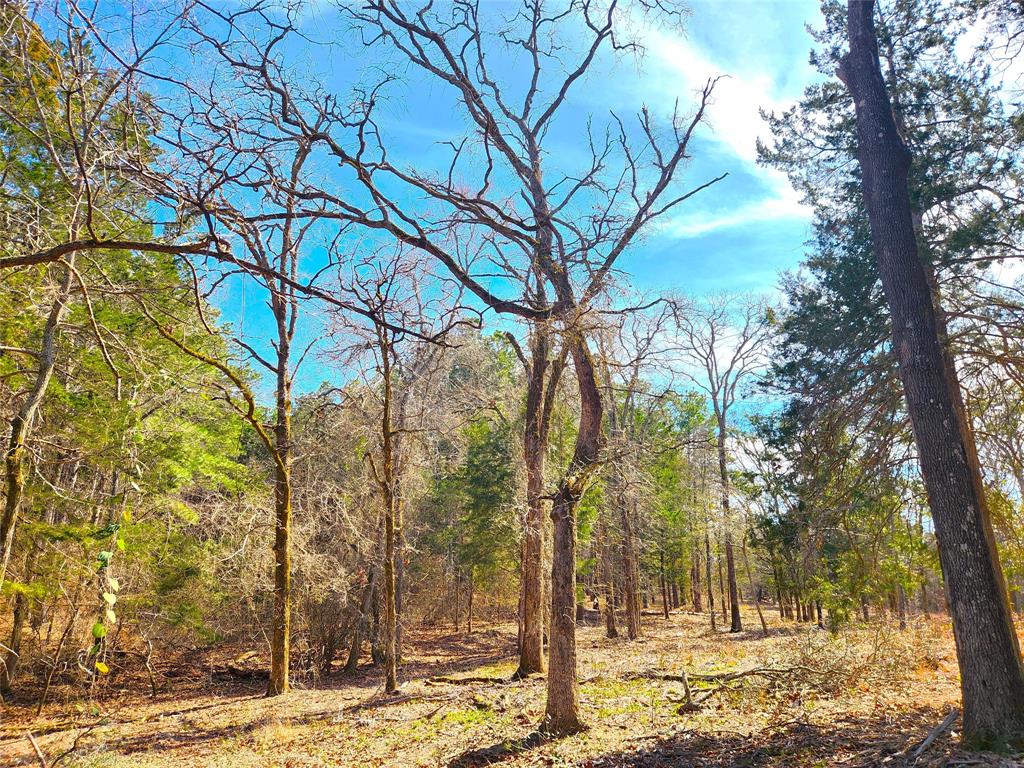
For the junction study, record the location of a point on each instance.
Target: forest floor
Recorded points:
(868, 696)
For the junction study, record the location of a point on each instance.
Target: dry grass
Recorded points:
(857, 699)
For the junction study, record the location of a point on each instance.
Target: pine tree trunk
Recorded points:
(992, 680)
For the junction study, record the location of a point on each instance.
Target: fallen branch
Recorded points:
(467, 680)
(935, 732)
(725, 677)
(38, 751)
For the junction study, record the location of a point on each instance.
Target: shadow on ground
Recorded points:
(853, 742)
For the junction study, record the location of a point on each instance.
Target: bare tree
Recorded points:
(723, 341)
(410, 313)
(501, 208)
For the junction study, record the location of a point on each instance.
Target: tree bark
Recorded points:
(543, 375)
(607, 579)
(21, 424)
(664, 586)
(736, 624)
(695, 581)
(757, 595)
(707, 568)
(630, 571)
(562, 711)
(721, 591)
(992, 681)
(362, 622)
(280, 644)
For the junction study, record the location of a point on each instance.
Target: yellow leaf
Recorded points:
(102, 668)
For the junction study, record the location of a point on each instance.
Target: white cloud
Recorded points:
(782, 204)
(675, 69)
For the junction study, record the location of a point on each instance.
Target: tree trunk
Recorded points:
(992, 680)
(280, 641)
(736, 624)
(456, 606)
(390, 606)
(757, 595)
(469, 607)
(543, 376)
(664, 586)
(721, 591)
(630, 571)
(12, 653)
(607, 578)
(707, 568)
(21, 424)
(562, 711)
(352, 662)
(695, 581)
(399, 577)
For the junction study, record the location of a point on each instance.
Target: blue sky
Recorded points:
(736, 236)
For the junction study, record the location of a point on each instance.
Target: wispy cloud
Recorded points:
(676, 67)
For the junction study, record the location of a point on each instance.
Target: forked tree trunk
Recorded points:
(543, 375)
(562, 711)
(991, 678)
